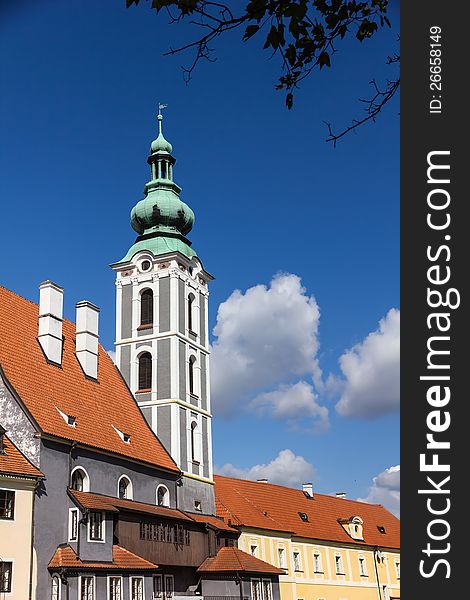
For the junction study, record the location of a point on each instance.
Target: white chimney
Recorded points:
(51, 298)
(308, 489)
(341, 495)
(86, 337)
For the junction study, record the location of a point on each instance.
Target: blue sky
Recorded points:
(79, 88)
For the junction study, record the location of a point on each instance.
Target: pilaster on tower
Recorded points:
(162, 341)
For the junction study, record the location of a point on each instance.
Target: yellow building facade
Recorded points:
(318, 570)
(18, 481)
(330, 548)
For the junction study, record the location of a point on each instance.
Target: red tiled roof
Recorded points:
(123, 560)
(44, 388)
(13, 462)
(233, 559)
(111, 504)
(211, 520)
(275, 507)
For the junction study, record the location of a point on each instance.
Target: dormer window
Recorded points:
(303, 516)
(381, 528)
(69, 419)
(353, 526)
(125, 437)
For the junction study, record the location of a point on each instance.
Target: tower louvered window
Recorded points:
(145, 371)
(146, 307)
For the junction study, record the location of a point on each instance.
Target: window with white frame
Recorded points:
(7, 504)
(87, 588)
(124, 488)
(317, 562)
(157, 586)
(256, 589)
(194, 442)
(73, 524)
(282, 557)
(169, 586)
(192, 375)
(115, 588)
(267, 589)
(397, 569)
(362, 567)
(191, 299)
(96, 526)
(137, 588)
(297, 563)
(163, 496)
(80, 480)
(55, 588)
(339, 564)
(6, 575)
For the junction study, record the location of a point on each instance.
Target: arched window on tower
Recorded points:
(192, 360)
(163, 169)
(146, 307)
(190, 312)
(145, 371)
(194, 452)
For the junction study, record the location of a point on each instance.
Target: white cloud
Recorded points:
(386, 490)
(112, 354)
(266, 337)
(371, 369)
(293, 403)
(286, 469)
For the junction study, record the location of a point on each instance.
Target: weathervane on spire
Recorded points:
(160, 116)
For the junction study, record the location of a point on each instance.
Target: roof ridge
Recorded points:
(278, 485)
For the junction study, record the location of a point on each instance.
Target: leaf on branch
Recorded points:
(324, 60)
(250, 31)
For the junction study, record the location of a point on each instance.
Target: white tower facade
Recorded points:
(162, 342)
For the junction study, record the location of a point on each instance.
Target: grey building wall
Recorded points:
(182, 369)
(181, 306)
(192, 490)
(202, 317)
(126, 313)
(183, 440)
(203, 381)
(125, 366)
(147, 412)
(163, 369)
(53, 502)
(164, 426)
(164, 304)
(101, 586)
(205, 448)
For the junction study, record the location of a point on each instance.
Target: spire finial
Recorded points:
(160, 116)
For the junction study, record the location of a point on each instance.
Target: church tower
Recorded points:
(162, 344)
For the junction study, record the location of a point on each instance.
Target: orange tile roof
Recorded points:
(123, 560)
(111, 504)
(275, 507)
(44, 388)
(229, 559)
(217, 522)
(13, 462)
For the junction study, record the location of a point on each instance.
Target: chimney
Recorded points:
(51, 297)
(308, 489)
(86, 337)
(263, 480)
(341, 495)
